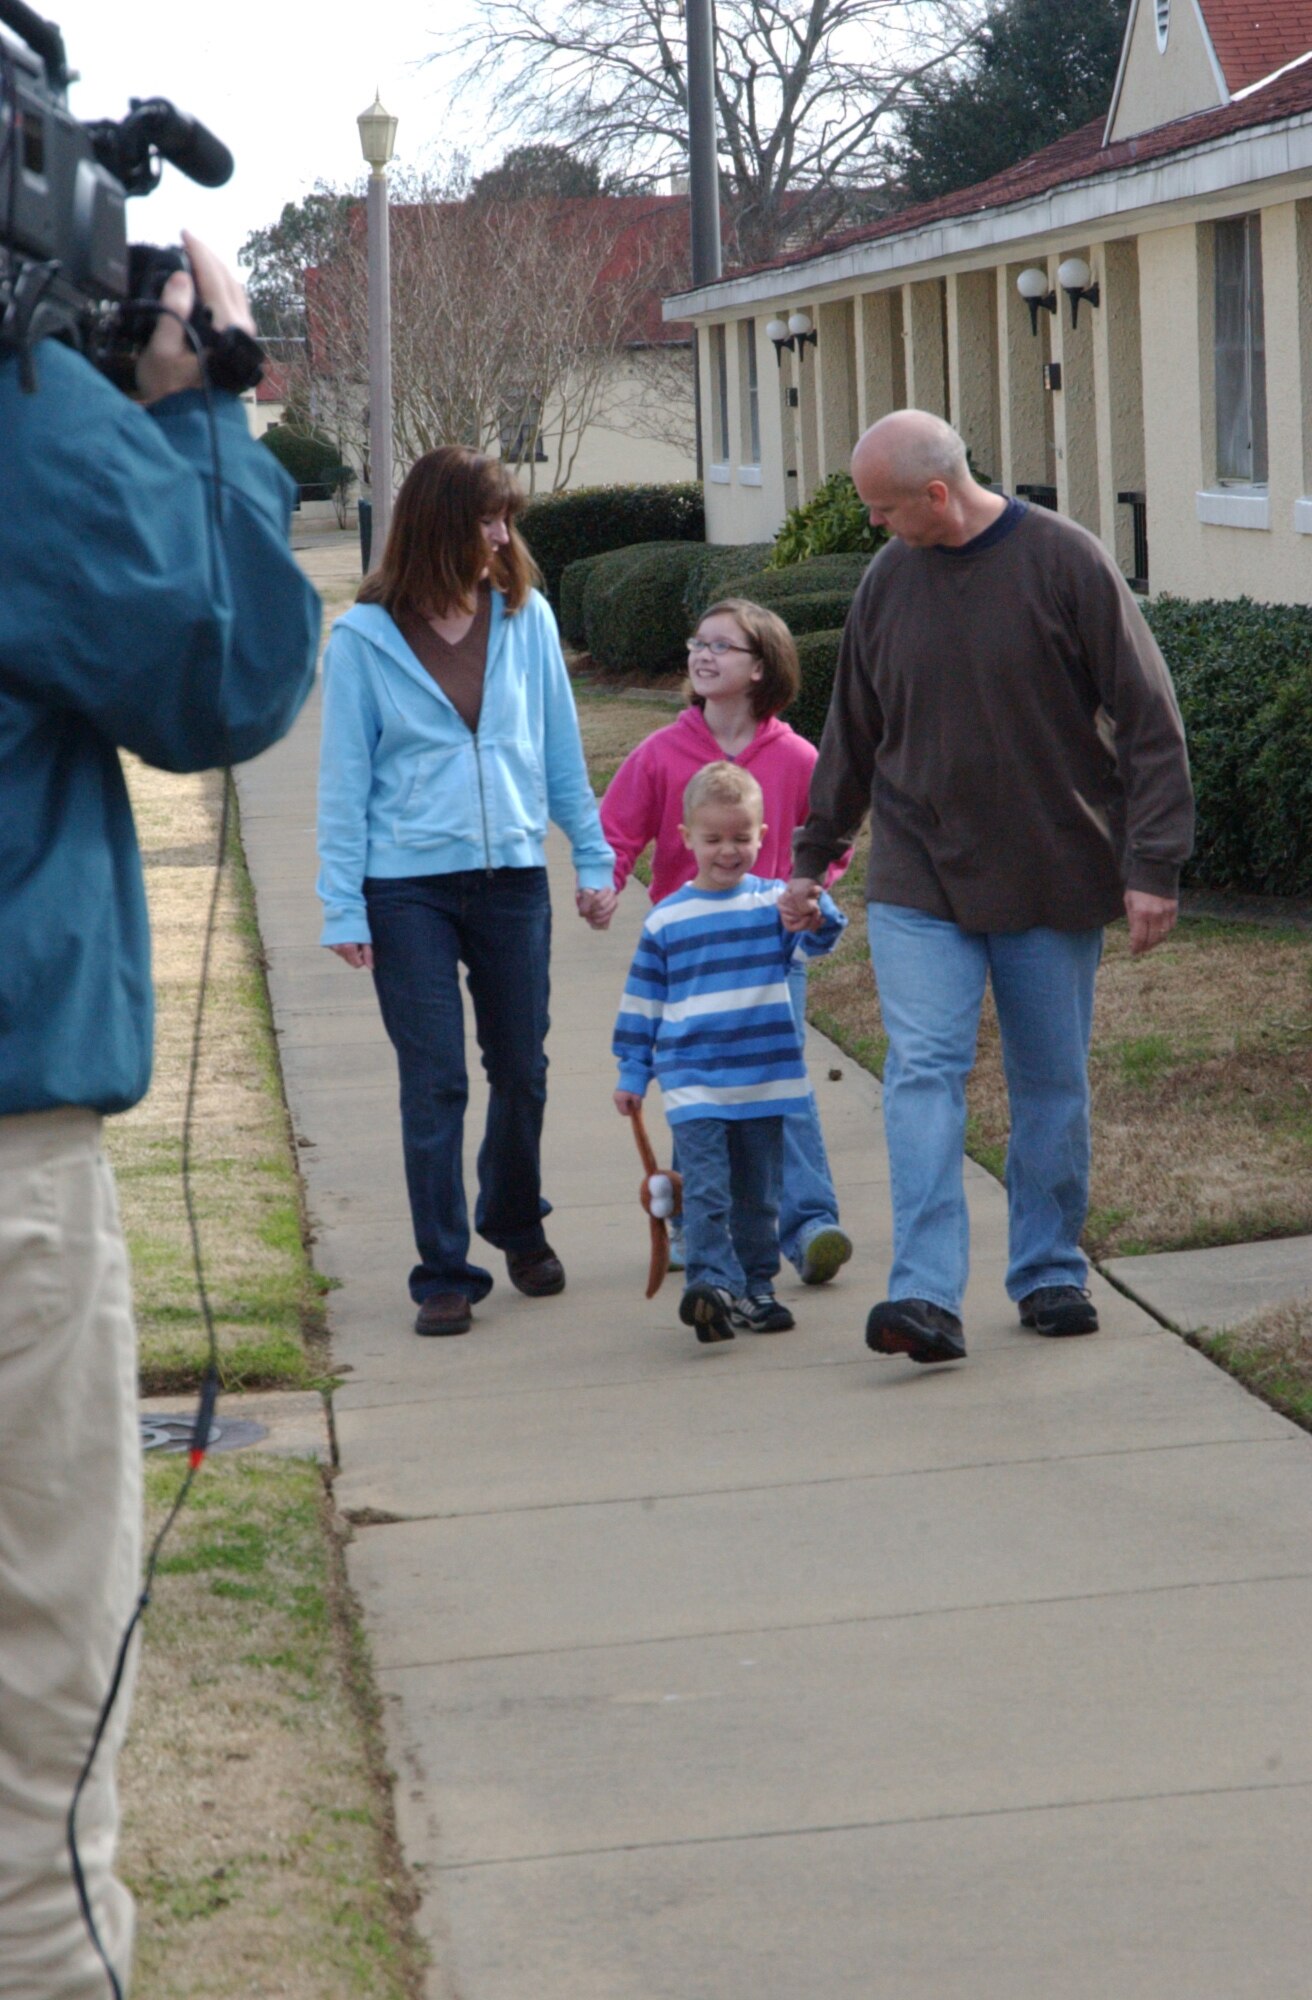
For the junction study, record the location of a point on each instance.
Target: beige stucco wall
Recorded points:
(1158, 85)
(642, 432)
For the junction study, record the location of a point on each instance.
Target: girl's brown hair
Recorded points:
(435, 550)
(772, 643)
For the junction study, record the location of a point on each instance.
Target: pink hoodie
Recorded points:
(644, 800)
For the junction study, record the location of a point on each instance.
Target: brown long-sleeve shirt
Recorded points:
(1007, 719)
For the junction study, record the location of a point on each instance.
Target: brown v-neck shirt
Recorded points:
(459, 669)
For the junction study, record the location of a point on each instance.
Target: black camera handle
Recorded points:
(43, 38)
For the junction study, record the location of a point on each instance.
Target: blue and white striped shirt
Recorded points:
(706, 1007)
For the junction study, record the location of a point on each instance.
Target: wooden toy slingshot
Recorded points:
(661, 1195)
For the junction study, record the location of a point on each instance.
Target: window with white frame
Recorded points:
(720, 392)
(750, 388)
(1240, 351)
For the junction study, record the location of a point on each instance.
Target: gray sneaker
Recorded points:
(825, 1253)
(761, 1313)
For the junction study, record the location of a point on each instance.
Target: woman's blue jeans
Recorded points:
(498, 924)
(931, 977)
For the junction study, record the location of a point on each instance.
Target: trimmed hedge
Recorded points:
(634, 617)
(1243, 673)
(817, 653)
(775, 587)
(564, 527)
(716, 564)
(573, 583)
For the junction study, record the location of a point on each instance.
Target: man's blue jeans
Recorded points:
(931, 977)
(730, 1169)
(499, 925)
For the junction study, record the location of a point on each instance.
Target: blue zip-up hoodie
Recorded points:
(128, 618)
(407, 788)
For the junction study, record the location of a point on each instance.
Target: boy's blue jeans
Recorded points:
(931, 977)
(731, 1169)
(499, 925)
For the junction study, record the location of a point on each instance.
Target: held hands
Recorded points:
(627, 1102)
(167, 364)
(596, 906)
(361, 956)
(799, 905)
(1151, 918)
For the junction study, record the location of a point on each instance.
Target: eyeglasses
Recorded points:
(719, 647)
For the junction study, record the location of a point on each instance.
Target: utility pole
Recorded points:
(703, 174)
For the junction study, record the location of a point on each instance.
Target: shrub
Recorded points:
(716, 563)
(312, 459)
(1243, 673)
(564, 527)
(834, 521)
(573, 583)
(813, 611)
(817, 653)
(776, 586)
(633, 610)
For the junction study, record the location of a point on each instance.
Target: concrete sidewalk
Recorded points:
(776, 1671)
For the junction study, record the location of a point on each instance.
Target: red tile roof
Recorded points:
(1253, 38)
(1079, 156)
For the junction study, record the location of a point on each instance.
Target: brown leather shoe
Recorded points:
(539, 1274)
(444, 1312)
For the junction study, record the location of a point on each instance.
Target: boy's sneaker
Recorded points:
(1059, 1309)
(761, 1312)
(675, 1228)
(917, 1328)
(825, 1254)
(708, 1309)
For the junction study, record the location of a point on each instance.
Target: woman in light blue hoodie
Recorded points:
(449, 740)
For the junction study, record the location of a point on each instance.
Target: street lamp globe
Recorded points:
(377, 134)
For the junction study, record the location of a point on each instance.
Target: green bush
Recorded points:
(776, 586)
(312, 459)
(1243, 673)
(834, 521)
(718, 562)
(573, 583)
(817, 653)
(814, 611)
(633, 610)
(564, 527)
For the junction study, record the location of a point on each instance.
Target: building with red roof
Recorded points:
(1161, 395)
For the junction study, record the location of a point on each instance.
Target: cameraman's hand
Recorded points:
(167, 364)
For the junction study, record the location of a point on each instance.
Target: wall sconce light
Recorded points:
(1073, 275)
(1032, 284)
(794, 333)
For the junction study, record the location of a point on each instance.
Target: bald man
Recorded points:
(1002, 712)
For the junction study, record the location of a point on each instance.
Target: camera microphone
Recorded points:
(182, 140)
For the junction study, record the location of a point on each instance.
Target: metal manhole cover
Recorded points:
(172, 1433)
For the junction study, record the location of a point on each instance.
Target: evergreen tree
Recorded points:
(1040, 69)
(529, 173)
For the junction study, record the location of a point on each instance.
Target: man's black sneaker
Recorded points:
(917, 1328)
(761, 1312)
(708, 1310)
(1059, 1309)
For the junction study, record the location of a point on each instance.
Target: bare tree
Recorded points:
(804, 93)
(509, 319)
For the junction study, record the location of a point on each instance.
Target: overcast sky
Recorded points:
(280, 83)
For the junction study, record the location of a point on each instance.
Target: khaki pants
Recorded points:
(70, 1547)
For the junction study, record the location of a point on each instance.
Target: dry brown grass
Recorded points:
(1201, 1065)
(1272, 1354)
(247, 1194)
(257, 1832)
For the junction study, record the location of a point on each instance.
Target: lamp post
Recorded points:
(378, 143)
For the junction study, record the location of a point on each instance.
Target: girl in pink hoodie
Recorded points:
(742, 666)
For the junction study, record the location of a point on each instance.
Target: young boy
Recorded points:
(706, 1010)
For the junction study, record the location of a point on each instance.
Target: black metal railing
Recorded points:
(1042, 496)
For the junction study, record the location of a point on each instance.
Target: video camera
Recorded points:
(66, 270)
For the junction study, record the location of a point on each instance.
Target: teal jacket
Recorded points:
(407, 788)
(128, 619)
